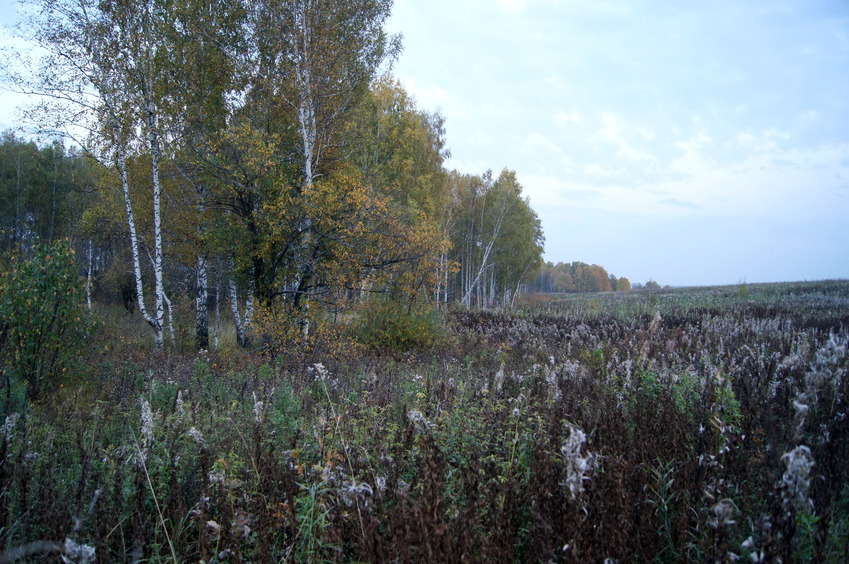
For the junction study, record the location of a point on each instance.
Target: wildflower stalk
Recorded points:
(155, 501)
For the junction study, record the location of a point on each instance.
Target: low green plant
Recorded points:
(664, 497)
(285, 413)
(727, 402)
(313, 523)
(650, 386)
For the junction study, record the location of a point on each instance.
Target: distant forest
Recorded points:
(580, 277)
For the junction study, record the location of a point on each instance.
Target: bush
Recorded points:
(388, 326)
(44, 322)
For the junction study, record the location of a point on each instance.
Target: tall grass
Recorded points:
(683, 425)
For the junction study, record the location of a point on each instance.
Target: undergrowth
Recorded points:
(704, 426)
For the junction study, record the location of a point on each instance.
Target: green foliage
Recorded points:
(594, 360)
(496, 236)
(45, 324)
(387, 326)
(837, 542)
(41, 196)
(664, 499)
(726, 401)
(285, 413)
(400, 149)
(312, 511)
(649, 385)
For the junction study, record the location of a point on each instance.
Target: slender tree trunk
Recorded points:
(237, 317)
(249, 316)
(18, 230)
(155, 155)
(89, 268)
(202, 305)
(155, 323)
(202, 291)
(484, 262)
(170, 318)
(445, 274)
(216, 328)
(309, 138)
(303, 74)
(53, 199)
(518, 283)
(243, 324)
(475, 283)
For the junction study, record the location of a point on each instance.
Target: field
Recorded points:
(705, 424)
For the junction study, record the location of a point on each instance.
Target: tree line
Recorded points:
(578, 277)
(253, 156)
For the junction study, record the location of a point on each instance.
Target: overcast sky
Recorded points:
(691, 143)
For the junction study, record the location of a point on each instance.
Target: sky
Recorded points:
(691, 143)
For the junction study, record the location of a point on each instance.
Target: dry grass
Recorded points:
(688, 400)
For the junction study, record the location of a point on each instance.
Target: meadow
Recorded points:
(693, 424)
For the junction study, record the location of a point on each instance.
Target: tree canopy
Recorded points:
(256, 152)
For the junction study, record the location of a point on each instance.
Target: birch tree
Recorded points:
(497, 239)
(318, 58)
(99, 75)
(204, 47)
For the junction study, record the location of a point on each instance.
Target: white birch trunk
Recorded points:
(303, 73)
(155, 154)
(237, 318)
(249, 313)
(202, 290)
(445, 273)
(518, 283)
(88, 275)
(474, 284)
(202, 304)
(243, 324)
(216, 328)
(487, 251)
(158, 342)
(170, 319)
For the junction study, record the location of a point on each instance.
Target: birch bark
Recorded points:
(155, 323)
(155, 154)
(243, 324)
(202, 304)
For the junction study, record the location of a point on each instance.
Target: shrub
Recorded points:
(388, 326)
(44, 322)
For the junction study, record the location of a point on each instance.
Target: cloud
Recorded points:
(775, 187)
(595, 169)
(430, 95)
(512, 6)
(562, 117)
(612, 132)
(706, 121)
(542, 149)
(761, 142)
(675, 202)
(695, 160)
(765, 183)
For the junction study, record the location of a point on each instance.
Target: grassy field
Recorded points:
(692, 424)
